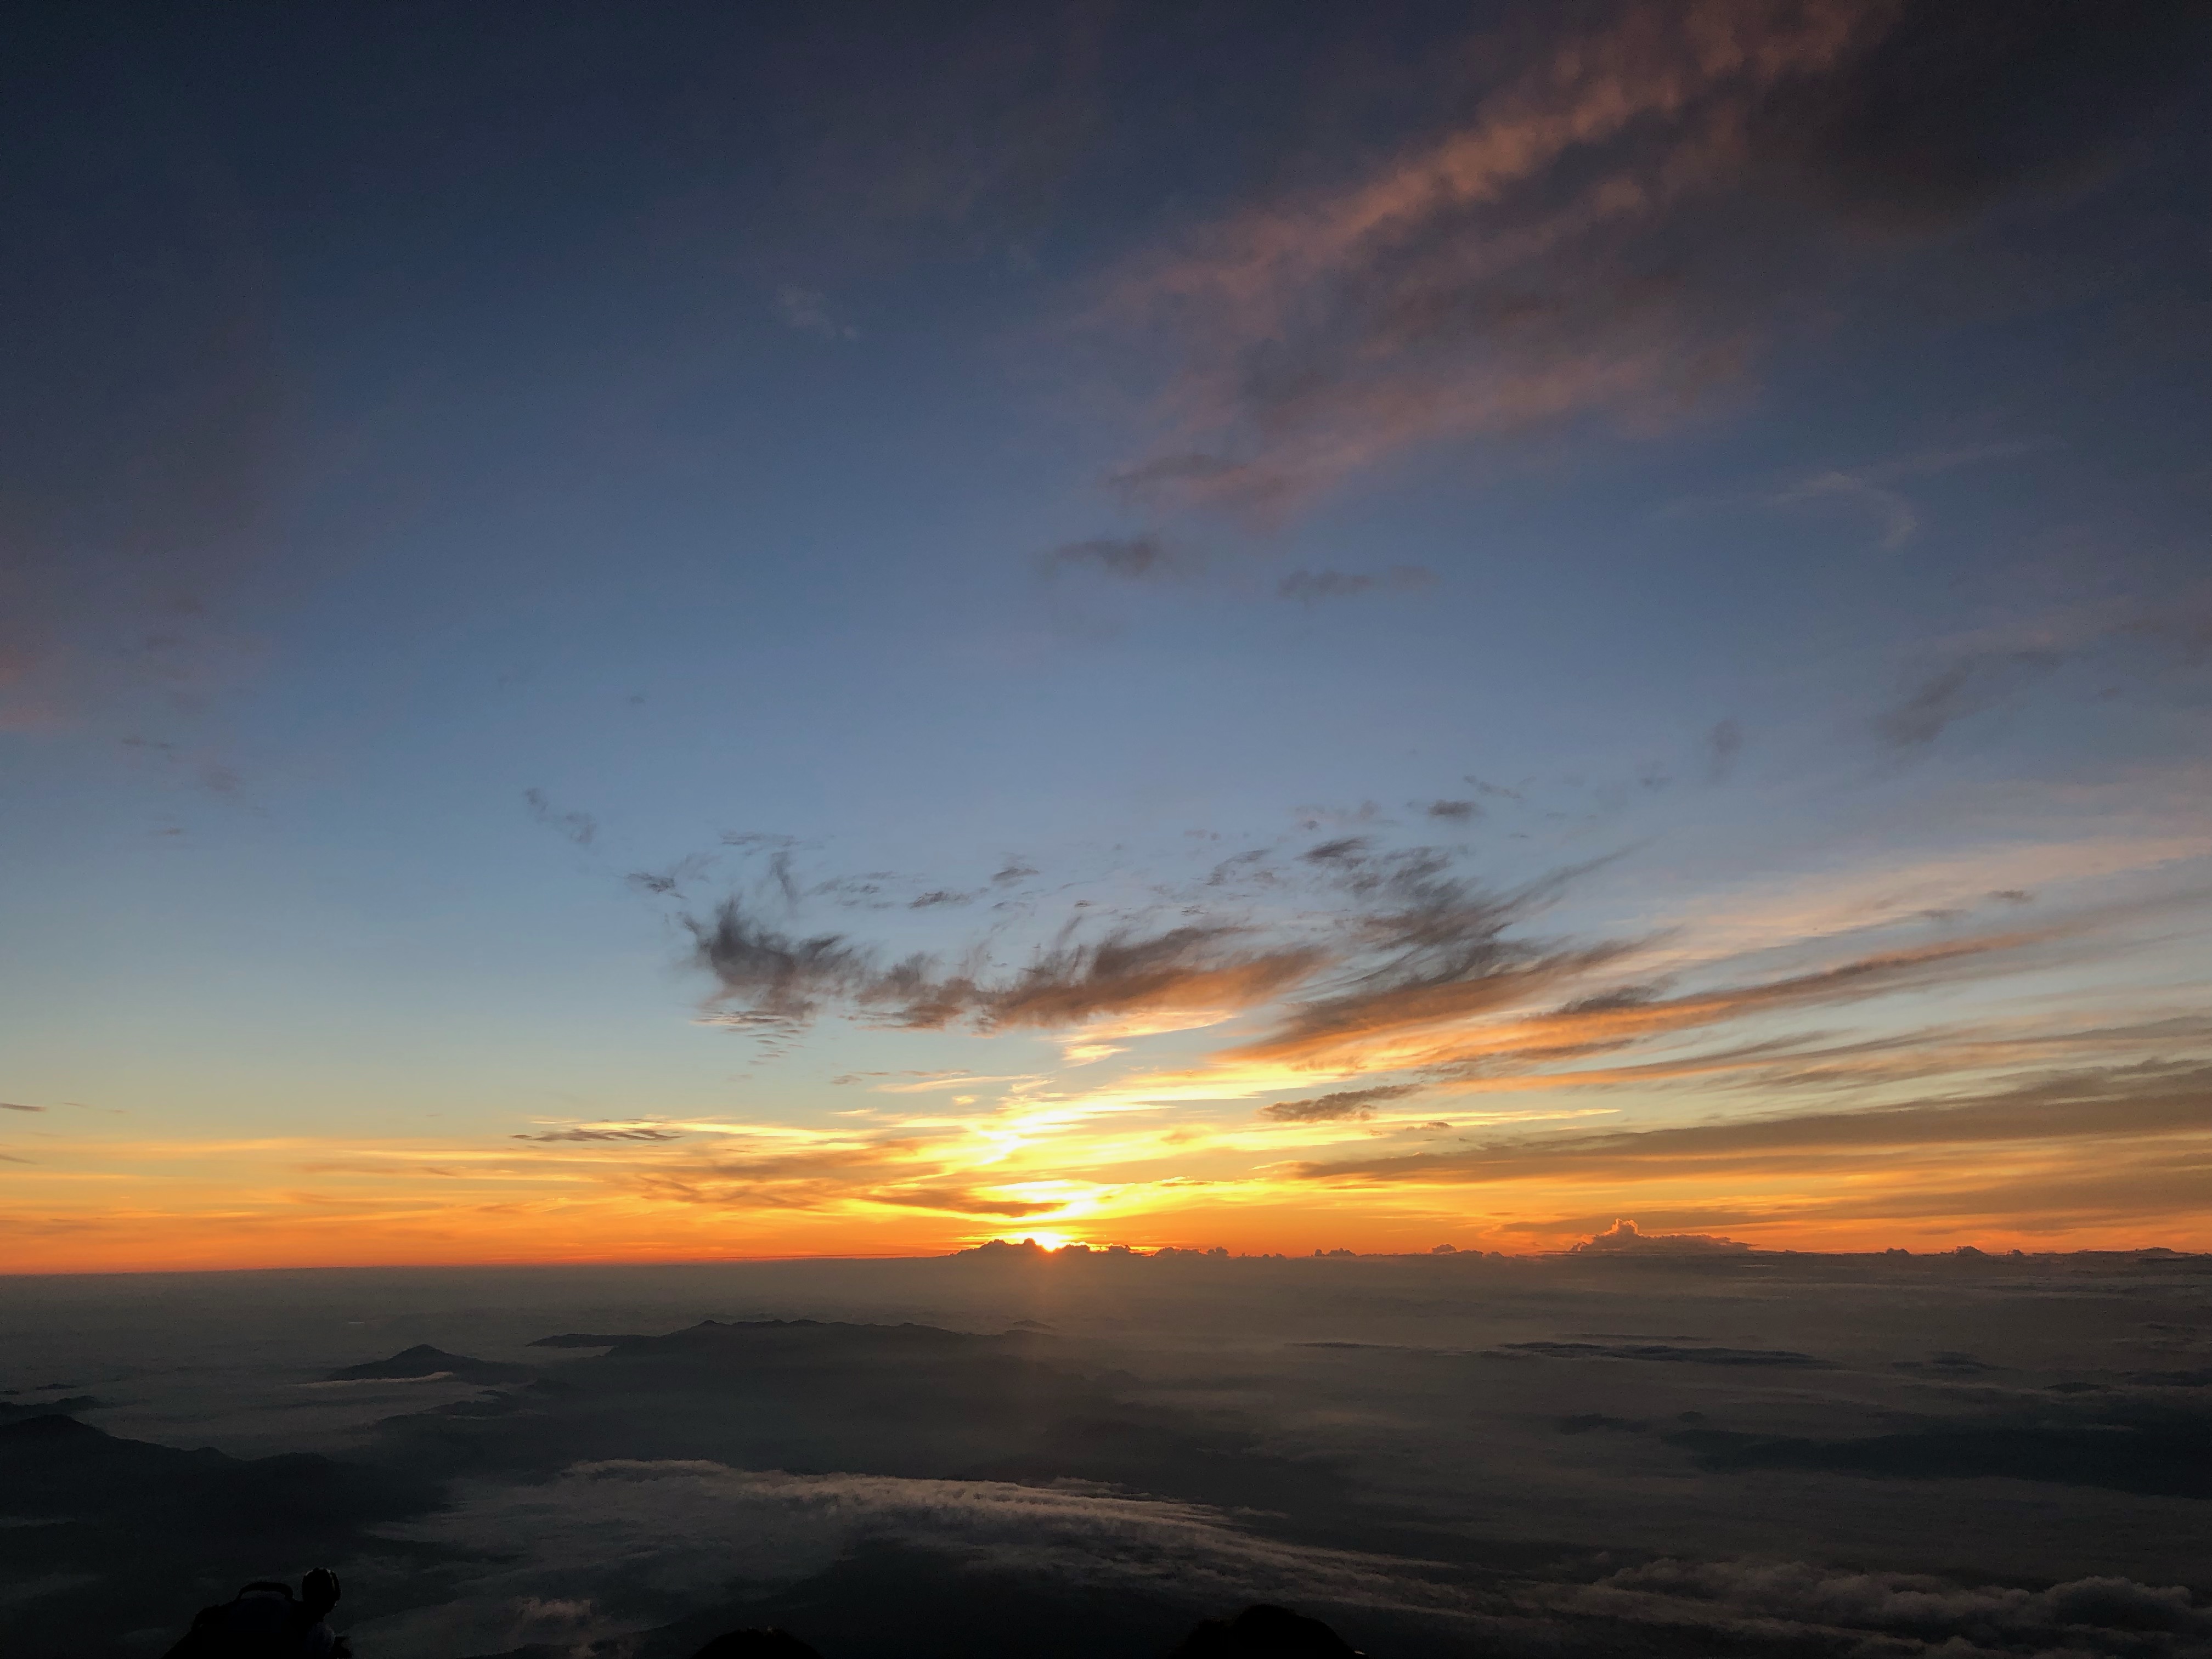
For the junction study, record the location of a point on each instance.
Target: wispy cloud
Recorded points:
(1307, 586)
(1617, 232)
(1969, 686)
(784, 978)
(1131, 558)
(1380, 971)
(1354, 1103)
(2112, 1104)
(1995, 667)
(1436, 952)
(1346, 1027)
(1723, 746)
(1411, 1025)
(1874, 490)
(1370, 973)
(1895, 519)
(1753, 912)
(579, 827)
(810, 312)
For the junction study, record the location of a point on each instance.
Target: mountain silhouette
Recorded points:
(411, 1364)
(12, 1412)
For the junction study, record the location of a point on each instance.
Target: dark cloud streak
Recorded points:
(2112, 1103)
(786, 979)
(1130, 558)
(581, 828)
(1723, 744)
(1345, 1103)
(1952, 693)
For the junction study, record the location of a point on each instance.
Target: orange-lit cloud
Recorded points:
(1474, 282)
(1179, 970)
(1617, 231)
(1432, 1024)
(2124, 1104)
(1388, 1058)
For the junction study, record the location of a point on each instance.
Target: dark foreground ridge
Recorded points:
(177, 1522)
(267, 1620)
(1260, 1632)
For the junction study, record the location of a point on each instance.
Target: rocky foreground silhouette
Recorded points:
(267, 1620)
(1260, 1632)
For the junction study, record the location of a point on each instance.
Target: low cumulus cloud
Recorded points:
(1623, 1238)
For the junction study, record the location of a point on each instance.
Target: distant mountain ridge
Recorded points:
(582, 1339)
(413, 1364)
(10, 1412)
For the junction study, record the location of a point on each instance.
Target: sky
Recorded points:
(635, 636)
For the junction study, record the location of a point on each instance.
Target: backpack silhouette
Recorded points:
(1265, 1633)
(265, 1621)
(756, 1644)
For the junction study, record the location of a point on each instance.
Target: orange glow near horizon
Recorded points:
(1764, 1098)
(115, 1206)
